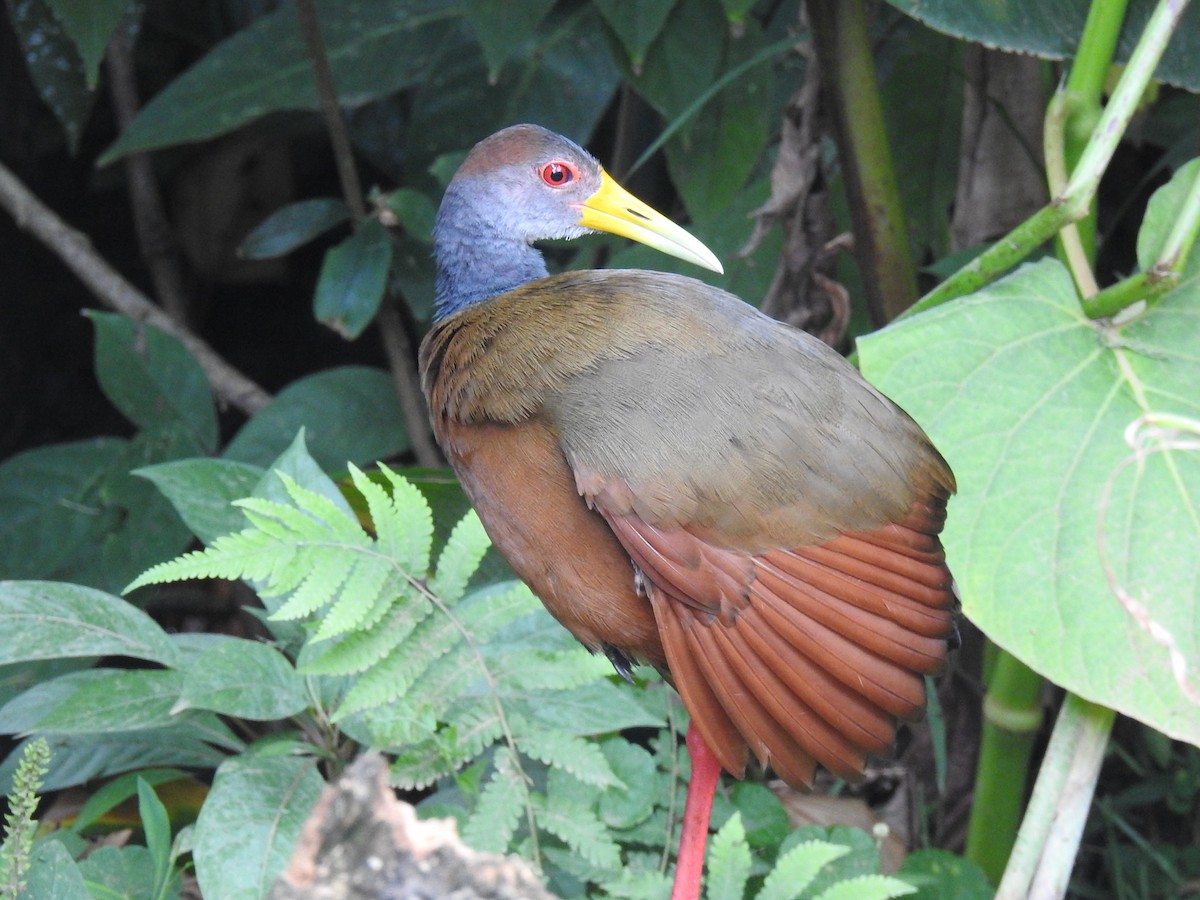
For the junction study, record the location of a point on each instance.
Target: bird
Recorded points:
(682, 480)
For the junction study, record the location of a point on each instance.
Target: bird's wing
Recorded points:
(784, 518)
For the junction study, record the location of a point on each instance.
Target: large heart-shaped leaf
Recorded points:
(1074, 535)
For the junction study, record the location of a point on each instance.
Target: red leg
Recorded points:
(706, 771)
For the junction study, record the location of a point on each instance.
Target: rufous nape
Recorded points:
(684, 481)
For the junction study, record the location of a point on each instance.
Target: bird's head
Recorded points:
(526, 183)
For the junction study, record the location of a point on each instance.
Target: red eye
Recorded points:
(557, 174)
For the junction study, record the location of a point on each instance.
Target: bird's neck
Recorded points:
(475, 259)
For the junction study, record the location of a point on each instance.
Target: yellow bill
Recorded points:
(615, 210)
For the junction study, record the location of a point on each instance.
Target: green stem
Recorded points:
(1012, 715)
(843, 48)
(1174, 254)
(1164, 274)
(1084, 89)
(1048, 842)
(1085, 178)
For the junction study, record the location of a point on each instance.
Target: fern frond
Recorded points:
(796, 869)
(243, 554)
(357, 651)
(460, 558)
(328, 568)
(579, 828)
(281, 521)
(420, 765)
(403, 522)
(334, 520)
(729, 860)
(384, 682)
(565, 752)
(476, 724)
(639, 885)
(493, 822)
(867, 887)
(485, 612)
(370, 580)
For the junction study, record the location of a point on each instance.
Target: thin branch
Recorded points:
(155, 237)
(331, 110)
(111, 288)
(396, 344)
(412, 403)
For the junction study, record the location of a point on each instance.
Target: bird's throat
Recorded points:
(476, 261)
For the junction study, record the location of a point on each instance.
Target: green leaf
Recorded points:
(243, 679)
(867, 887)
(348, 413)
(1161, 214)
(633, 800)
(414, 211)
(147, 528)
(687, 58)
(635, 24)
(95, 701)
(736, 10)
(90, 25)
(403, 522)
(352, 281)
(564, 79)
(577, 825)
(293, 226)
(61, 620)
(115, 792)
(156, 826)
(53, 873)
(153, 380)
(80, 758)
(202, 491)
(460, 558)
(1052, 30)
(861, 856)
(1073, 549)
(375, 48)
(54, 65)
(713, 156)
(728, 861)
(250, 821)
(796, 869)
(72, 511)
(941, 875)
(493, 822)
(581, 759)
(502, 28)
(297, 464)
(596, 707)
(120, 872)
(52, 513)
(764, 819)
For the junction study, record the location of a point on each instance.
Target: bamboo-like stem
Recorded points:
(1071, 240)
(1012, 716)
(843, 49)
(1076, 199)
(1084, 89)
(1048, 842)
